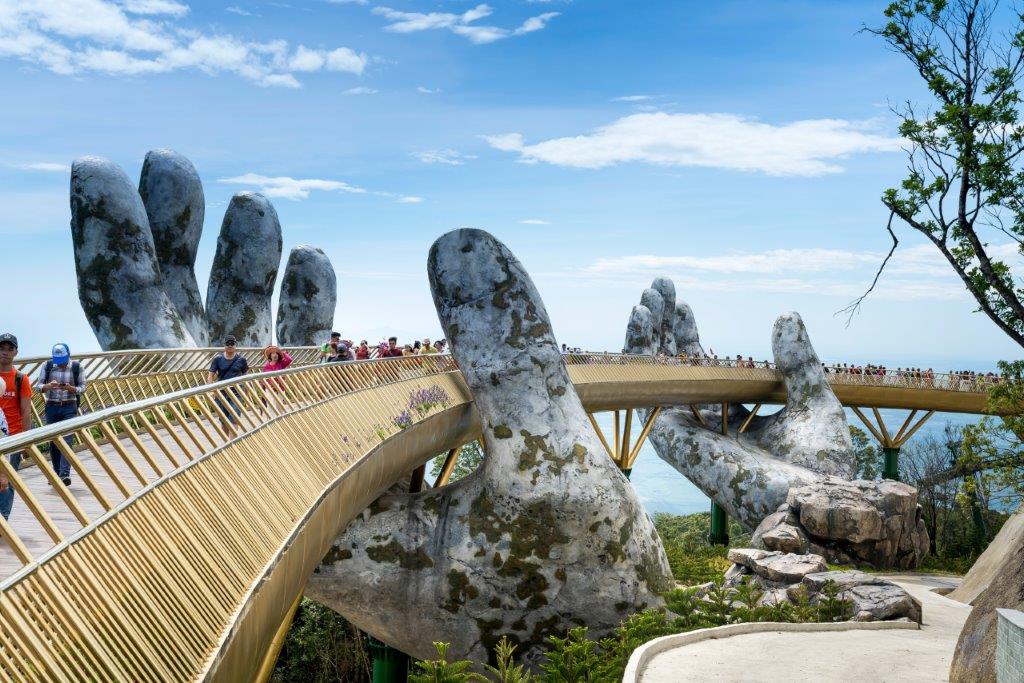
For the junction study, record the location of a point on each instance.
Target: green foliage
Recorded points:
(321, 647)
(692, 559)
(868, 460)
(965, 175)
(440, 670)
(471, 457)
(507, 671)
(573, 659)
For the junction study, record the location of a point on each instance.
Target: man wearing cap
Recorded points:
(228, 365)
(16, 403)
(62, 382)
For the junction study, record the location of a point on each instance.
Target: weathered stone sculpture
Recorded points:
(244, 271)
(762, 471)
(173, 195)
(546, 535)
(119, 283)
(309, 293)
(135, 253)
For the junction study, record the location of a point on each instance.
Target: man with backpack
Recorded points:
(62, 382)
(228, 365)
(16, 403)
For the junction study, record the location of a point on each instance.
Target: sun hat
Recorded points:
(271, 349)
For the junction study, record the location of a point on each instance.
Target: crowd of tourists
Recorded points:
(338, 349)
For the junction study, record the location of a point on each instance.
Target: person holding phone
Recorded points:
(62, 382)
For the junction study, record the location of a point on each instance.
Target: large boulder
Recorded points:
(975, 656)
(776, 566)
(546, 535)
(244, 271)
(172, 193)
(119, 283)
(872, 522)
(309, 294)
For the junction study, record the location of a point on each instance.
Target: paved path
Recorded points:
(863, 656)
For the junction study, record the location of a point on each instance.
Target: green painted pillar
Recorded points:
(389, 665)
(719, 525)
(891, 466)
(628, 471)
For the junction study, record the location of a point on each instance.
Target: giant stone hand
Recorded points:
(788, 474)
(547, 534)
(135, 253)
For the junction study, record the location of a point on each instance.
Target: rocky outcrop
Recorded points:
(119, 282)
(309, 294)
(244, 271)
(870, 522)
(172, 193)
(806, 444)
(795, 577)
(547, 534)
(975, 656)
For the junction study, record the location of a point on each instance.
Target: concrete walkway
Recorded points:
(904, 655)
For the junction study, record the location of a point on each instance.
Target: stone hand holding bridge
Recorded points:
(789, 476)
(135, 253)
(546, 535)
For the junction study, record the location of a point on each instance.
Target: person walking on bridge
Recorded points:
(16, 404)
(62, 382)
(228, 365)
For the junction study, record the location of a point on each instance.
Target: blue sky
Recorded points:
(739, 147)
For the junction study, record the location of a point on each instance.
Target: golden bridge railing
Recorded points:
(184, 509)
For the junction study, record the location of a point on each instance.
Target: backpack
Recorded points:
(76, 373)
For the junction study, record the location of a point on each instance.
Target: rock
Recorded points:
(785, 538)
(884, 602)
(789, 567)
(836, 513)
(244, 270)
(843, 579)
(546, 535)
(667, 289)
(119, 283)
(975, 656)
(735, 574)
(748, 556)
(309, 295)
(173, 196)
(863, 616)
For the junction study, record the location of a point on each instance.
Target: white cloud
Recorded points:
(239, 11)
(348, 2)
(631, 98)
(295, 189)
(460, 24)
(534, 221)
(801, 148)
(44, 166)
(140, 37)
(360, 90)
(155, 7)
(916, 272)
(427, 91)
(449, 157)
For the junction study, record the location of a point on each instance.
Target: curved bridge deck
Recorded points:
(185, 540)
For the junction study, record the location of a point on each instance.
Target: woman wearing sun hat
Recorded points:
(276, 360)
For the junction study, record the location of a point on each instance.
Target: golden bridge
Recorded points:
(182, 548)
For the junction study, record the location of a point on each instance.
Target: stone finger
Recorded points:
(244, 271)
(309, 295)
(119, 281)
(173, 196)
(667, 289)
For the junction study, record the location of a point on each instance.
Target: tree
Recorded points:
(867, 463)
(470, 457)
(965, 181)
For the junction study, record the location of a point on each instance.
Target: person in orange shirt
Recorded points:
(16, 403)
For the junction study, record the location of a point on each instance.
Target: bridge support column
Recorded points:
(891, 444)
(891, 464)
(624, 454)
(719, 534)
(389, 665)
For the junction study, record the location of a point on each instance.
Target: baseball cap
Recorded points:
(230, 340)
(9, 338)
(61, 354)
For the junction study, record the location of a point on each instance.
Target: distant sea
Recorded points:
(662, 489)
